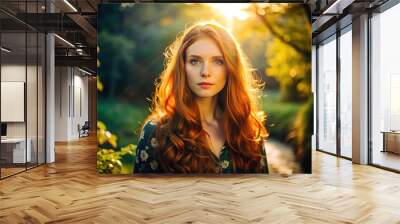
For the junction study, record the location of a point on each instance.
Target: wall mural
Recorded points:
(204, 88)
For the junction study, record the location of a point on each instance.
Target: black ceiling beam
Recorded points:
(86, 51)
(49, 22)
(44, 22)
(85, 25)
(82, 61)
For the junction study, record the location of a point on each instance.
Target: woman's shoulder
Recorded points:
(148, 129)
(149, 124)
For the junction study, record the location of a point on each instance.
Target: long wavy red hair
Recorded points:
(183, 146)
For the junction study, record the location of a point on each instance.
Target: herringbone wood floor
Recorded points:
(70, 191)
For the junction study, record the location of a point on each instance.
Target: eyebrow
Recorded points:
(197, 56)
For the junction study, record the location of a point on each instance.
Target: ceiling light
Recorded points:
(70, 5)
(5, 49)
(65, 41)
(337, 7)
(86, 72)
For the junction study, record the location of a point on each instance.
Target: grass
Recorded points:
(280, 115)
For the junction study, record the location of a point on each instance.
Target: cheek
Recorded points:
(190, 71)
(190, 74)
(222, 76)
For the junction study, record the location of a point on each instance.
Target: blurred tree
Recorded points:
(289, 52)
(119, 47)
(289, 61)
(254, 39)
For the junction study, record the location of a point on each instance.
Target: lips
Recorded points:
(205, 85)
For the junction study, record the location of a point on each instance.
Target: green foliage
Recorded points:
(291, 123)
(105, 137)
(302, 132)
(110, 159)
(289, 51)
(291, 69)
(123, 118)
(280, 115)
(289, 61)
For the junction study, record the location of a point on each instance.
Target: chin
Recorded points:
(205, 95)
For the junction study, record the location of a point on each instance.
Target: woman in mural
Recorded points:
(204, 116)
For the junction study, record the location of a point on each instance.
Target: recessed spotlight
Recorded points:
(84, 71)
(5, 50)
(70, 5)
(64, 40)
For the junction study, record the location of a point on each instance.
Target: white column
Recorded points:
(50, 92)
(62, 103)
(314, 92)
(360, 90)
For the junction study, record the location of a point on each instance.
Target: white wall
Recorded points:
(71, 102)
(33, 127)
(11, 73)
(61, 103)
(16, 73)
(314, 91)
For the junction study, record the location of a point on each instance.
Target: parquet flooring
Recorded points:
(387, 159)
(9, 171)
(70, 191)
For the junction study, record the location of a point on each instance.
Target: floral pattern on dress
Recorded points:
(144, 155)
(153, 165)
(154, 143)
(224, 164)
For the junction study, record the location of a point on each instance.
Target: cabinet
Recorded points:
(13, 150)
(391, 141)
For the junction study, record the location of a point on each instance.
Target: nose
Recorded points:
(205, 71)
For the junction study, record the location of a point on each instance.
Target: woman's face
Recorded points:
(205, 68)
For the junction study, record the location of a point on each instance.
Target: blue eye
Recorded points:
(219, 62)
(194, 61)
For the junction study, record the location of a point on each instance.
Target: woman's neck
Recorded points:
(208, 109)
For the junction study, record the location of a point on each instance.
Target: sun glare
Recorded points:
(231, 10)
